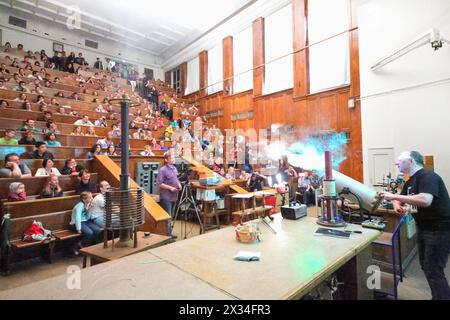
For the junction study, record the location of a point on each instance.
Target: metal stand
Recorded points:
(186, 200)
(126, 233)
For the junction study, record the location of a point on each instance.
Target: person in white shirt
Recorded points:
(47, 169)
(83, 122)
(97, 208)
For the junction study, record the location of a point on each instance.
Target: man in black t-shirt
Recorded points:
(429, 203)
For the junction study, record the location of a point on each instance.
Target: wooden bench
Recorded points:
(34, 185)
(21, 209)
(14, 227)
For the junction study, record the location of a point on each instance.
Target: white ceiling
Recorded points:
(159, 27)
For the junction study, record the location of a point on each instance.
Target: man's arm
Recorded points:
(422, 200)
(15, 172)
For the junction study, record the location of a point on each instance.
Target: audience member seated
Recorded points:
(17, 192)
(9, 138)
(91, 132)
(97, 209)
(82, 222)
(162, 146)
(218, 166)
(139, 134)
(4, 103)
(85, 183)
(101, 122)
(78, 131)
(231, 173)
(147, 152)
(47, 116)
(149, 135)
(51, 127)
(26, 106)
(83, 121)
(112, 150)
(21, 98)
(29, 125)
(47, 169)
(95, 150)
(28, 139)
(74, 96)
(115, 131)
(41, 152)
(22, 88)
(50, 140)
(106, 142)
(71, 168)
(52, 189)
(13, 168)
(255, 182)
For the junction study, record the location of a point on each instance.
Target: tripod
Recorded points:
(186, 200)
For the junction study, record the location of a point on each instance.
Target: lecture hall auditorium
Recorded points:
(224, 150)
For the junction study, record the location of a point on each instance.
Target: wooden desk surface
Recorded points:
(144, 243)
(138, 277)
(293, 261)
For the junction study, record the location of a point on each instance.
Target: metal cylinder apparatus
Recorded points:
(330, 216)
(124, 210)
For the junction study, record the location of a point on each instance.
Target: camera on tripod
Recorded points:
(184, 171)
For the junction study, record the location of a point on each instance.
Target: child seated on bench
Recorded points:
(82, 222)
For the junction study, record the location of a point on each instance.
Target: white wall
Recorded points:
(74, 42)
(416, 119)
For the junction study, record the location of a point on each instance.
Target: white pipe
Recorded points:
(370, 199)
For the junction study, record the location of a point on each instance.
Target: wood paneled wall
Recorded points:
(324, 112)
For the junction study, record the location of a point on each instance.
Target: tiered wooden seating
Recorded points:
(55, 213)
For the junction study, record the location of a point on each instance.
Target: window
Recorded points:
(243, 61)
(278, 42)
(215, 69)
(329, 61)
(176, 79)
(193, 76)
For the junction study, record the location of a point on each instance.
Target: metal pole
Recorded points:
(125, 235)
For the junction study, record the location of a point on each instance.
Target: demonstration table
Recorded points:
(293, 262)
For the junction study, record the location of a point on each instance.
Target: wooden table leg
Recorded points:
(84, 261)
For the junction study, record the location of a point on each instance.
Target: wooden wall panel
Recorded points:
(203, 60)
(167, 77)
(183, 77)
(311, 114)
(300, 41)
(258, 56)
(227, 48)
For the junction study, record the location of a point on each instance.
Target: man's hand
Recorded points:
(388, 196)
(172, 189)
(11, 165)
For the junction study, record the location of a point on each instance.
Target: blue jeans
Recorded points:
(169, 206)
(90, 233)
(434, 248)
(99, 222)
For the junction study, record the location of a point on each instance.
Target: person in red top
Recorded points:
(17, 192)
